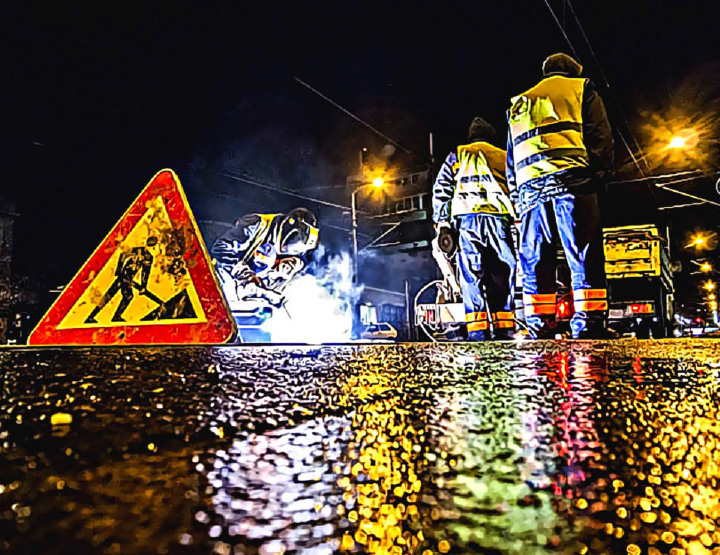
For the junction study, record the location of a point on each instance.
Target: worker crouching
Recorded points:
(261, 253)
(470, 195)
(559, 147)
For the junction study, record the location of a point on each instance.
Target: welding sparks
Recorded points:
(319, 307)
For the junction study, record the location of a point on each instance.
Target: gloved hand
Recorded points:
(255, 290)
(274, 298)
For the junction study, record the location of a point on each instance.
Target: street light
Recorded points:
(712, 297)
(706, 267)
(376, 183)
(709, 286)
(701, 240)
(677, 142)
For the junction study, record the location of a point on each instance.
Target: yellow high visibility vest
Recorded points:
(546, 128)
(477, 188)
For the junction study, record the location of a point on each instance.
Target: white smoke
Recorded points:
(319, 306)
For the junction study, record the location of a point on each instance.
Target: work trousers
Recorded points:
(487, 274)
(573, 222)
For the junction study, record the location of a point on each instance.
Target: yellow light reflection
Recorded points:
(383, 484)
(677, 142)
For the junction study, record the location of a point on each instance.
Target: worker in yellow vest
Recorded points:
(559, 147)
(470, 194)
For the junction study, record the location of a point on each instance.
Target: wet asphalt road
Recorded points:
(544, 447)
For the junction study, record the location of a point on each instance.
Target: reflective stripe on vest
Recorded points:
(590, 300)
(477, 326)
(477, 191)
(540, 304)
(546, 128)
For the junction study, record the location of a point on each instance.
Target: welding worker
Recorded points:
(262, 252)
(470, 195)
(559, 147)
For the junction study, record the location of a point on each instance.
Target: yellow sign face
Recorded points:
(145, 282)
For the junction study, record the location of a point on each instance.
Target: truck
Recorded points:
(640, 288)
(640, 284)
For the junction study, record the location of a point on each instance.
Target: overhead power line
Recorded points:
(606, 83)
(359, 120)
(679, 176)
(284, 191)
(675, 178)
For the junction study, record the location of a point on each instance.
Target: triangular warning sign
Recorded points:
(150, 281)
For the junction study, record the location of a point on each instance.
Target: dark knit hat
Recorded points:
(561, 64)
(480, 130)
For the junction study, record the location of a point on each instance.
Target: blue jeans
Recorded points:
(487, 262)
(573, 222)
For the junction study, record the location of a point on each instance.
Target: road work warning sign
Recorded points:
(150, 281)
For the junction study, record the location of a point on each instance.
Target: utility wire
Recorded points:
(359, 120)
(691, 174)
(683, 177)
(572, 48)
(688, 205)
(288, 192)
(605, 79)
(664, 187)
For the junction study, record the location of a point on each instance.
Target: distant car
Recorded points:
(382, 330)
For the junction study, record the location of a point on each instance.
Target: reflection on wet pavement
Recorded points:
(572, 448)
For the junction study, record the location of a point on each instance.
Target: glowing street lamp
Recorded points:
(677, 142)
(706, 267)
(713, 305)
(701, 240)
(709, 286)
(378, 182)
(712, 297)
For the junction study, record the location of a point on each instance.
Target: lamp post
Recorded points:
(377, 183)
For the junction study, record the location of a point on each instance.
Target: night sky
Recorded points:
(100, 96)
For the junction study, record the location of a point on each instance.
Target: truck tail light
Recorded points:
(642, 308)
(563, 309)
